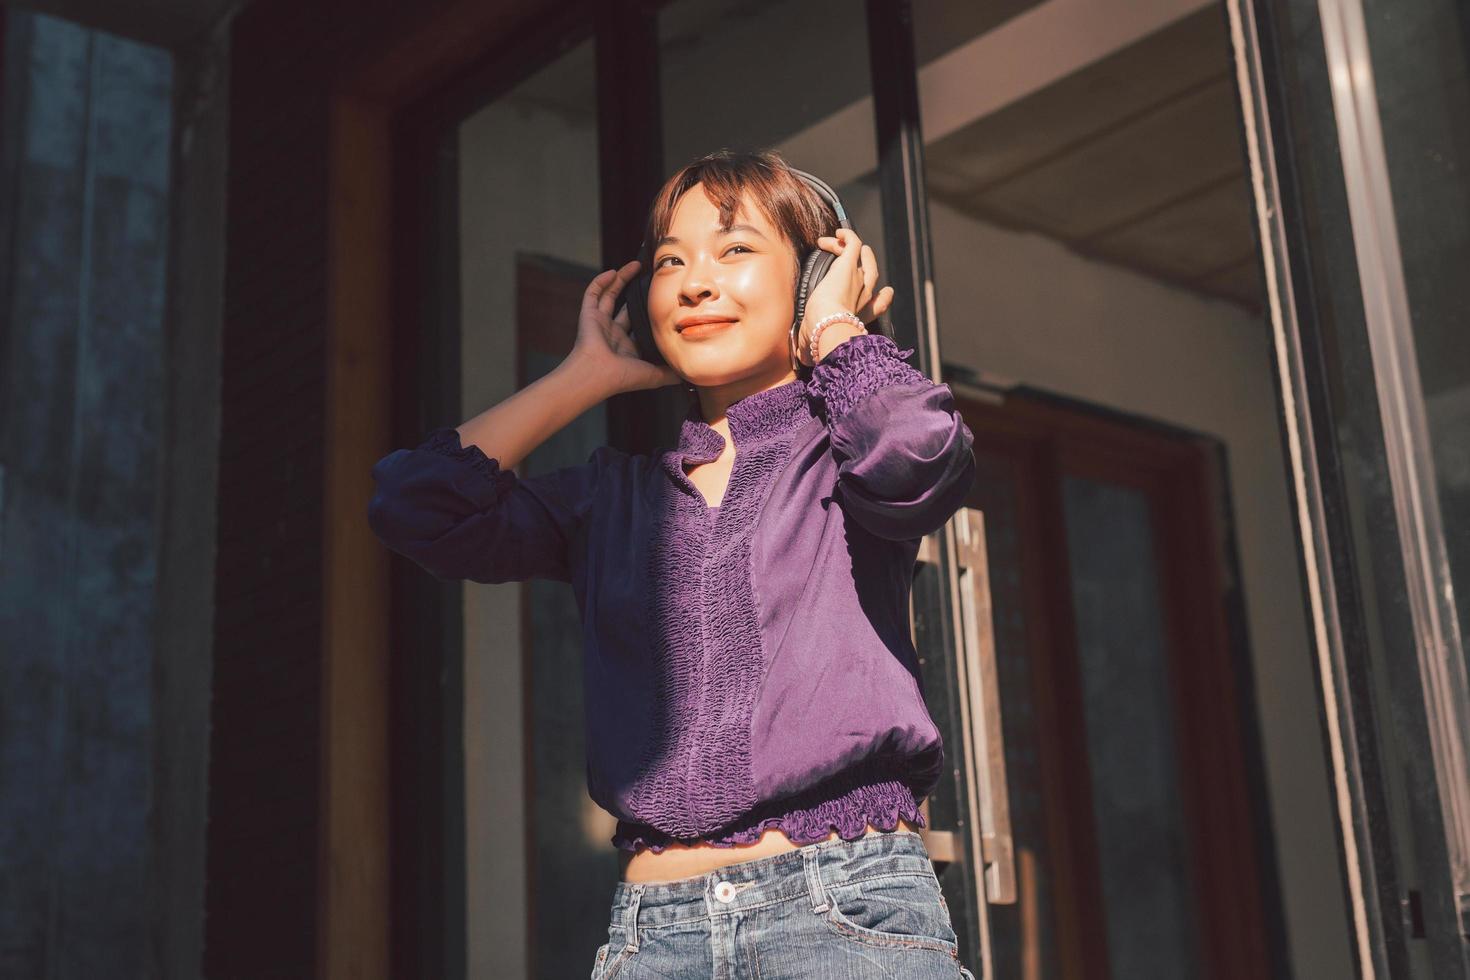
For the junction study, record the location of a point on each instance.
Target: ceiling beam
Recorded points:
(1024, 55)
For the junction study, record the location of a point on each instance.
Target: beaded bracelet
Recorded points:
(822, 323)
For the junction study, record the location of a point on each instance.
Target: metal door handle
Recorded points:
(980, 717)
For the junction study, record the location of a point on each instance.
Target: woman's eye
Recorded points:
(660, 262)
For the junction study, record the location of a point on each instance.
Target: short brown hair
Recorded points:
(788, 202)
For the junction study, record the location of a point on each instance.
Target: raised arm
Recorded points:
(455, 506)
(904, 456)
(903, 451)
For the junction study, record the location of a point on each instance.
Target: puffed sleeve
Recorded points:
(903, 451)
(453, 511)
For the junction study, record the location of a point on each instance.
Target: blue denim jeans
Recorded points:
(834, 910)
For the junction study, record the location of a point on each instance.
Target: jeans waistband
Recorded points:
(801, 873)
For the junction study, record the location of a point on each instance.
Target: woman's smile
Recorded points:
(704, 328)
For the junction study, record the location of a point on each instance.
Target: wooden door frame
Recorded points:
(373, 281)
(1222, 775)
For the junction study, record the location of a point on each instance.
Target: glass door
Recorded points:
(1100, 303)
(1231, 219)
(1126, 764)
(1358, 123)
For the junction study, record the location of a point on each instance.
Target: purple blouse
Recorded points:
(746, 666)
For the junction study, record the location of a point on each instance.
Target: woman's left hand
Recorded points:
(847, 286)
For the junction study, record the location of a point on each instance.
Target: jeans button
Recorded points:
(725, 891)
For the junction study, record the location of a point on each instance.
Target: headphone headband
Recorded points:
(825, 190)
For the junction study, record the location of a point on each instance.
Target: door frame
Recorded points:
(1221, 765)
(390, 899)
(1307, 278)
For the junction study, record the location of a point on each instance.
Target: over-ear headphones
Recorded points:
(813, 267)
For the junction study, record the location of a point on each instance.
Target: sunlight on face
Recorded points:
(746, 275)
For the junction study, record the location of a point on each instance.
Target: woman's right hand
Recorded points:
(604, 342)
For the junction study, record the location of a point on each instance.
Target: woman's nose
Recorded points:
(697, 284)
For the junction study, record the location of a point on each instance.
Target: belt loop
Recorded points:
(814, 879)
(630, 916)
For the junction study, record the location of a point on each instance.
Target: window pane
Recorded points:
(1422, 74)
(529, 243)
(1127, 711)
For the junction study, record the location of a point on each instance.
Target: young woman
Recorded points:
(754, 706)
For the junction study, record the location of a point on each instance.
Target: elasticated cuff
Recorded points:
(446, 442)
(859, 366)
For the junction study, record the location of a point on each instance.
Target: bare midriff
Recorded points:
(684, 861)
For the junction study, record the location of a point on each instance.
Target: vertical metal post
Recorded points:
(936, 600)
(631, 165)
(1443, 687)
(1309, 427)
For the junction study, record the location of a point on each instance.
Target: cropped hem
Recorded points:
(846, 803)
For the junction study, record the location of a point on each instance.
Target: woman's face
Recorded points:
(744, 277)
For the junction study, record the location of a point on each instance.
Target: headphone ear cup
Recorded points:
(813, 269)
(641, 329)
